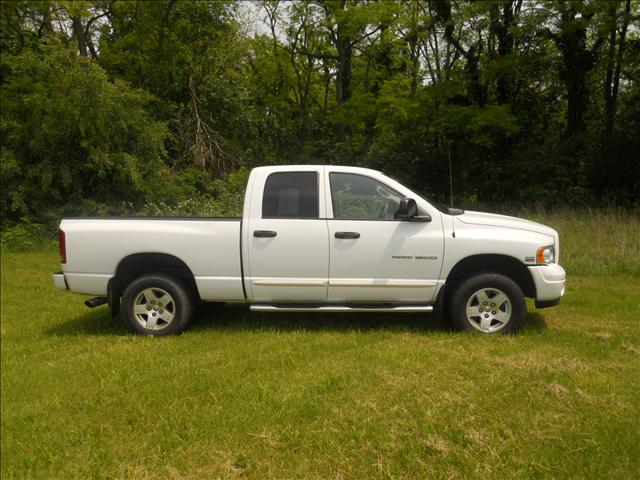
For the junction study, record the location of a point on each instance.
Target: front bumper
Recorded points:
(550, 281)
(59, 281)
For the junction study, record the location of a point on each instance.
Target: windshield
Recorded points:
(429, 198)
(440, 206)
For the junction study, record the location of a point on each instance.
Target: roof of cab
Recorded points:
(336, 168)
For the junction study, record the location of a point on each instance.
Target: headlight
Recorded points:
(546, 255)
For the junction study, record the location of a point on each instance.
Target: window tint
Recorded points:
(291, 195)
(357, 197)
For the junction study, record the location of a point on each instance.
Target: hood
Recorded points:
(492, 219)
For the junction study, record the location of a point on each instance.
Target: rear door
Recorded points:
(287, 236)
(373, 256)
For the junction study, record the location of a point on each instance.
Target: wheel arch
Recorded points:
(502, 264)
(137, 264)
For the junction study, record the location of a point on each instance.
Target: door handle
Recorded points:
(264, 233)
(347, 235)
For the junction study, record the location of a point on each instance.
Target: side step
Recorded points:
(341, 308)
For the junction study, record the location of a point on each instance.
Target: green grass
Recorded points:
(244, 395)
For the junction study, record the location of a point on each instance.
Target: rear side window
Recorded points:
(291, 195)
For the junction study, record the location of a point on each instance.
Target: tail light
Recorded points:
(63, 247)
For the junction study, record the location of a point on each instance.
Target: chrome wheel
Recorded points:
(154, 309)
(489, 310)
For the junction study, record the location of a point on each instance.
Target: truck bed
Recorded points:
(209, 246)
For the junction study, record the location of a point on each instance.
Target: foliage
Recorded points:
(73, 138)
(225, 199)
(117, 106)
(26, 237)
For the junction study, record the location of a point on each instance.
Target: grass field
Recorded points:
(243, 395)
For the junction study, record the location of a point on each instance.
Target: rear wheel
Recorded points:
(156, 305)
(487, 303)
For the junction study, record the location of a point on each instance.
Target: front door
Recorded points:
(288, 251)
(373, 256)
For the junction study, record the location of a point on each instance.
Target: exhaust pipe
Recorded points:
(95, 302)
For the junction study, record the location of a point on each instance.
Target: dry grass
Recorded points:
(593, 241)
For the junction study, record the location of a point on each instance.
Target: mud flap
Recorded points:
(113, 297)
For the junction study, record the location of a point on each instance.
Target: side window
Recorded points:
(291, 195)
(357, 197)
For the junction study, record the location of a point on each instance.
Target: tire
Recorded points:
(487, 303)
(156, 305)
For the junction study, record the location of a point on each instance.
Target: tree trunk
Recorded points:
(608, 85)
(45, 27)
(619, 59)
(344, 47)
(78, 33)
(343, 77)
(577, 62)
(505, 48)
(475, 89)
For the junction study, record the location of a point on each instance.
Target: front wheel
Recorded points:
(156, 305)
(487, 303)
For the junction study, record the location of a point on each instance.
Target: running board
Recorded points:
(341, 308)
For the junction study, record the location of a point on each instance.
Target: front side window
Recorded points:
(291, 195)
(357, 197)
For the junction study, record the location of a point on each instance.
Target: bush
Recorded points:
(26, 238)
(70, 134)
(215, 198)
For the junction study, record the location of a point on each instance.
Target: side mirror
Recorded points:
(408, 210)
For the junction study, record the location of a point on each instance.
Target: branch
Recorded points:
(365, 36)
(207, 146)
(91, 20)
(319, 56)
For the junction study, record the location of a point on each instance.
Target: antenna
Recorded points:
(453, 223)
(450, 179)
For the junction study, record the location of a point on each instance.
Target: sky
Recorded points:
(254, 17)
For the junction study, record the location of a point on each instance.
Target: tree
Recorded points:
(617, 44)
(531, 101)
(578, 59)
(74, 140)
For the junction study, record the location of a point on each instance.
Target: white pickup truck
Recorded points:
(316, 238)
